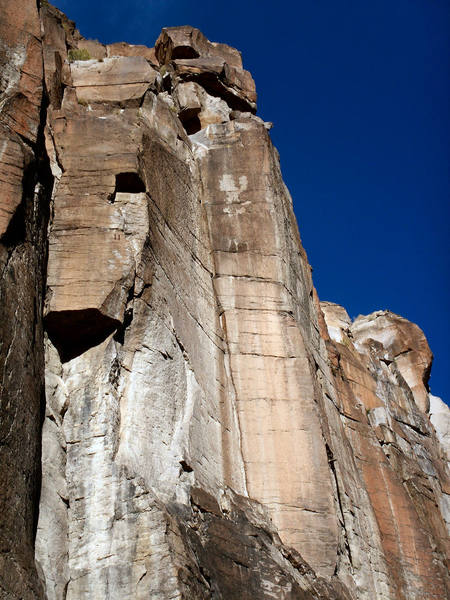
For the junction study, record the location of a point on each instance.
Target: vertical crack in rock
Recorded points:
(127, 317)
(231, 401)
(331, 461)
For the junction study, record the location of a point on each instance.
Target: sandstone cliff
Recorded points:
(211, 430)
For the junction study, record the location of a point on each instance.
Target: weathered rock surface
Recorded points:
(405, 471)
(211, 430)
(403, 343)
(25, 192)
(185, 54)
(440, 418)
(113, 79)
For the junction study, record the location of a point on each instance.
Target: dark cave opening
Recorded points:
(184, 52)
(129, 183)
(73, 332)
(190, 120)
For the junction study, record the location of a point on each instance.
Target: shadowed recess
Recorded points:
(213, 84)
(129, 183)
(184, 52)
(190, 120)
(73, 332)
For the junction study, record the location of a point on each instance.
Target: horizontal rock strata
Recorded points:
(211, 429)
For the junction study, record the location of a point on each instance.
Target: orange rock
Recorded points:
(21, 65)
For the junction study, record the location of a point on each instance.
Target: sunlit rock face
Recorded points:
(440, 418)
(210, 430)
(401, 342)
(381, 369)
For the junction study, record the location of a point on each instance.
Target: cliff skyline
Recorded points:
(359, 97)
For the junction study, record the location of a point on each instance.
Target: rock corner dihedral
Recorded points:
(211, 429)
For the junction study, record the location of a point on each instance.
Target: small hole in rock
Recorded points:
(190, 121)
(184, 52)
(129, 183)
(187, 468)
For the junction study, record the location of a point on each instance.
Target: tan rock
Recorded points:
(113, 79)
(95, 48)
(97, 234)
(124, 49)
(337, 320)
(197, 109)
(440, 418)
(55, 42)
(241, 81)
(21, 68)
(15, 157)
(188, 97)
(216, 67)
(188, 42)
(273, 382)
(402, 342)
(370, 381)
(234, 85)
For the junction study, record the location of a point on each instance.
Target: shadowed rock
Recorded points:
(73, 332)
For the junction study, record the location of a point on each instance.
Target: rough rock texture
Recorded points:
(394, 445)
(117, 79)
(211, 430)
(25, 192)
(440, 418)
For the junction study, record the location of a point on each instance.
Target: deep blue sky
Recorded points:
(359, 96)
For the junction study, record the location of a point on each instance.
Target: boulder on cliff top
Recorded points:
(216, 67)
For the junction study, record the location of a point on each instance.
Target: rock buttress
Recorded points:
(381, 365)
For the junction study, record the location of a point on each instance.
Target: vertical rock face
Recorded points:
(381, 366)
(25, 191)
(262, 286)
(211, 430)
